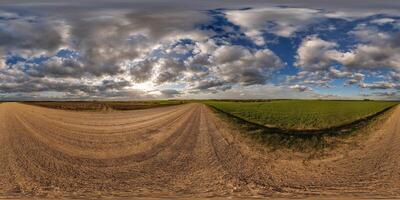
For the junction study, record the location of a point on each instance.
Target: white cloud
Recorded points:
(228, 54)
(349, 15)
(300, 88)
(2, 63)
(335, 73)
(316, 54)
(387, 95)
(239, 65)
(395, 76)
(379, 85)
(280, 21)
(382, 21)
(378, 50)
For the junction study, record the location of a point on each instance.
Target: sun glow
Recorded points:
(145, 86)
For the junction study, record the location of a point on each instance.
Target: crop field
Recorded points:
(302, 114)
(104, 105)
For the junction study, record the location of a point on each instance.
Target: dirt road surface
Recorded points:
(177, 151)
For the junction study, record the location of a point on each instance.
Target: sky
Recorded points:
(167, 49)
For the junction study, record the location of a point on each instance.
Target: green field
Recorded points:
(302, 114)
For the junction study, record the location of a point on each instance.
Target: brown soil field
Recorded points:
(103, 105)
(179, 151)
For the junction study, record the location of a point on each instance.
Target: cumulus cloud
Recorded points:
(213, 67)
(394, 76)
(277, 20)
(239, 65)
(356, 78)
(335, 73)
(286, 21)
(386, 95)
(376, 50)
(300, 88)
(379, 85)
(107, 42)
(316, 54)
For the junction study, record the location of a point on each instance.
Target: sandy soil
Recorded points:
(177, 151)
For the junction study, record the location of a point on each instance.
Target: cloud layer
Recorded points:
(146, 50)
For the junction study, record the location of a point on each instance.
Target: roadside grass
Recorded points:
(314, 141)
(104, 105)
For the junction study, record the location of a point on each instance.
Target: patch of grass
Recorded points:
(104, 105)
(302, 114)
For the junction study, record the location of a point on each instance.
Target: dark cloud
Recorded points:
(206, 84)
(169, 70)
(29, 34)
(142, 71)
(170, 93)
(70, 7)
(57, 67)
(29, 85)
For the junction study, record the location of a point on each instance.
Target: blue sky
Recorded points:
(59, 50)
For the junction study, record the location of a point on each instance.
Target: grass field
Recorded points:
(104, 105)
(302, 114)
